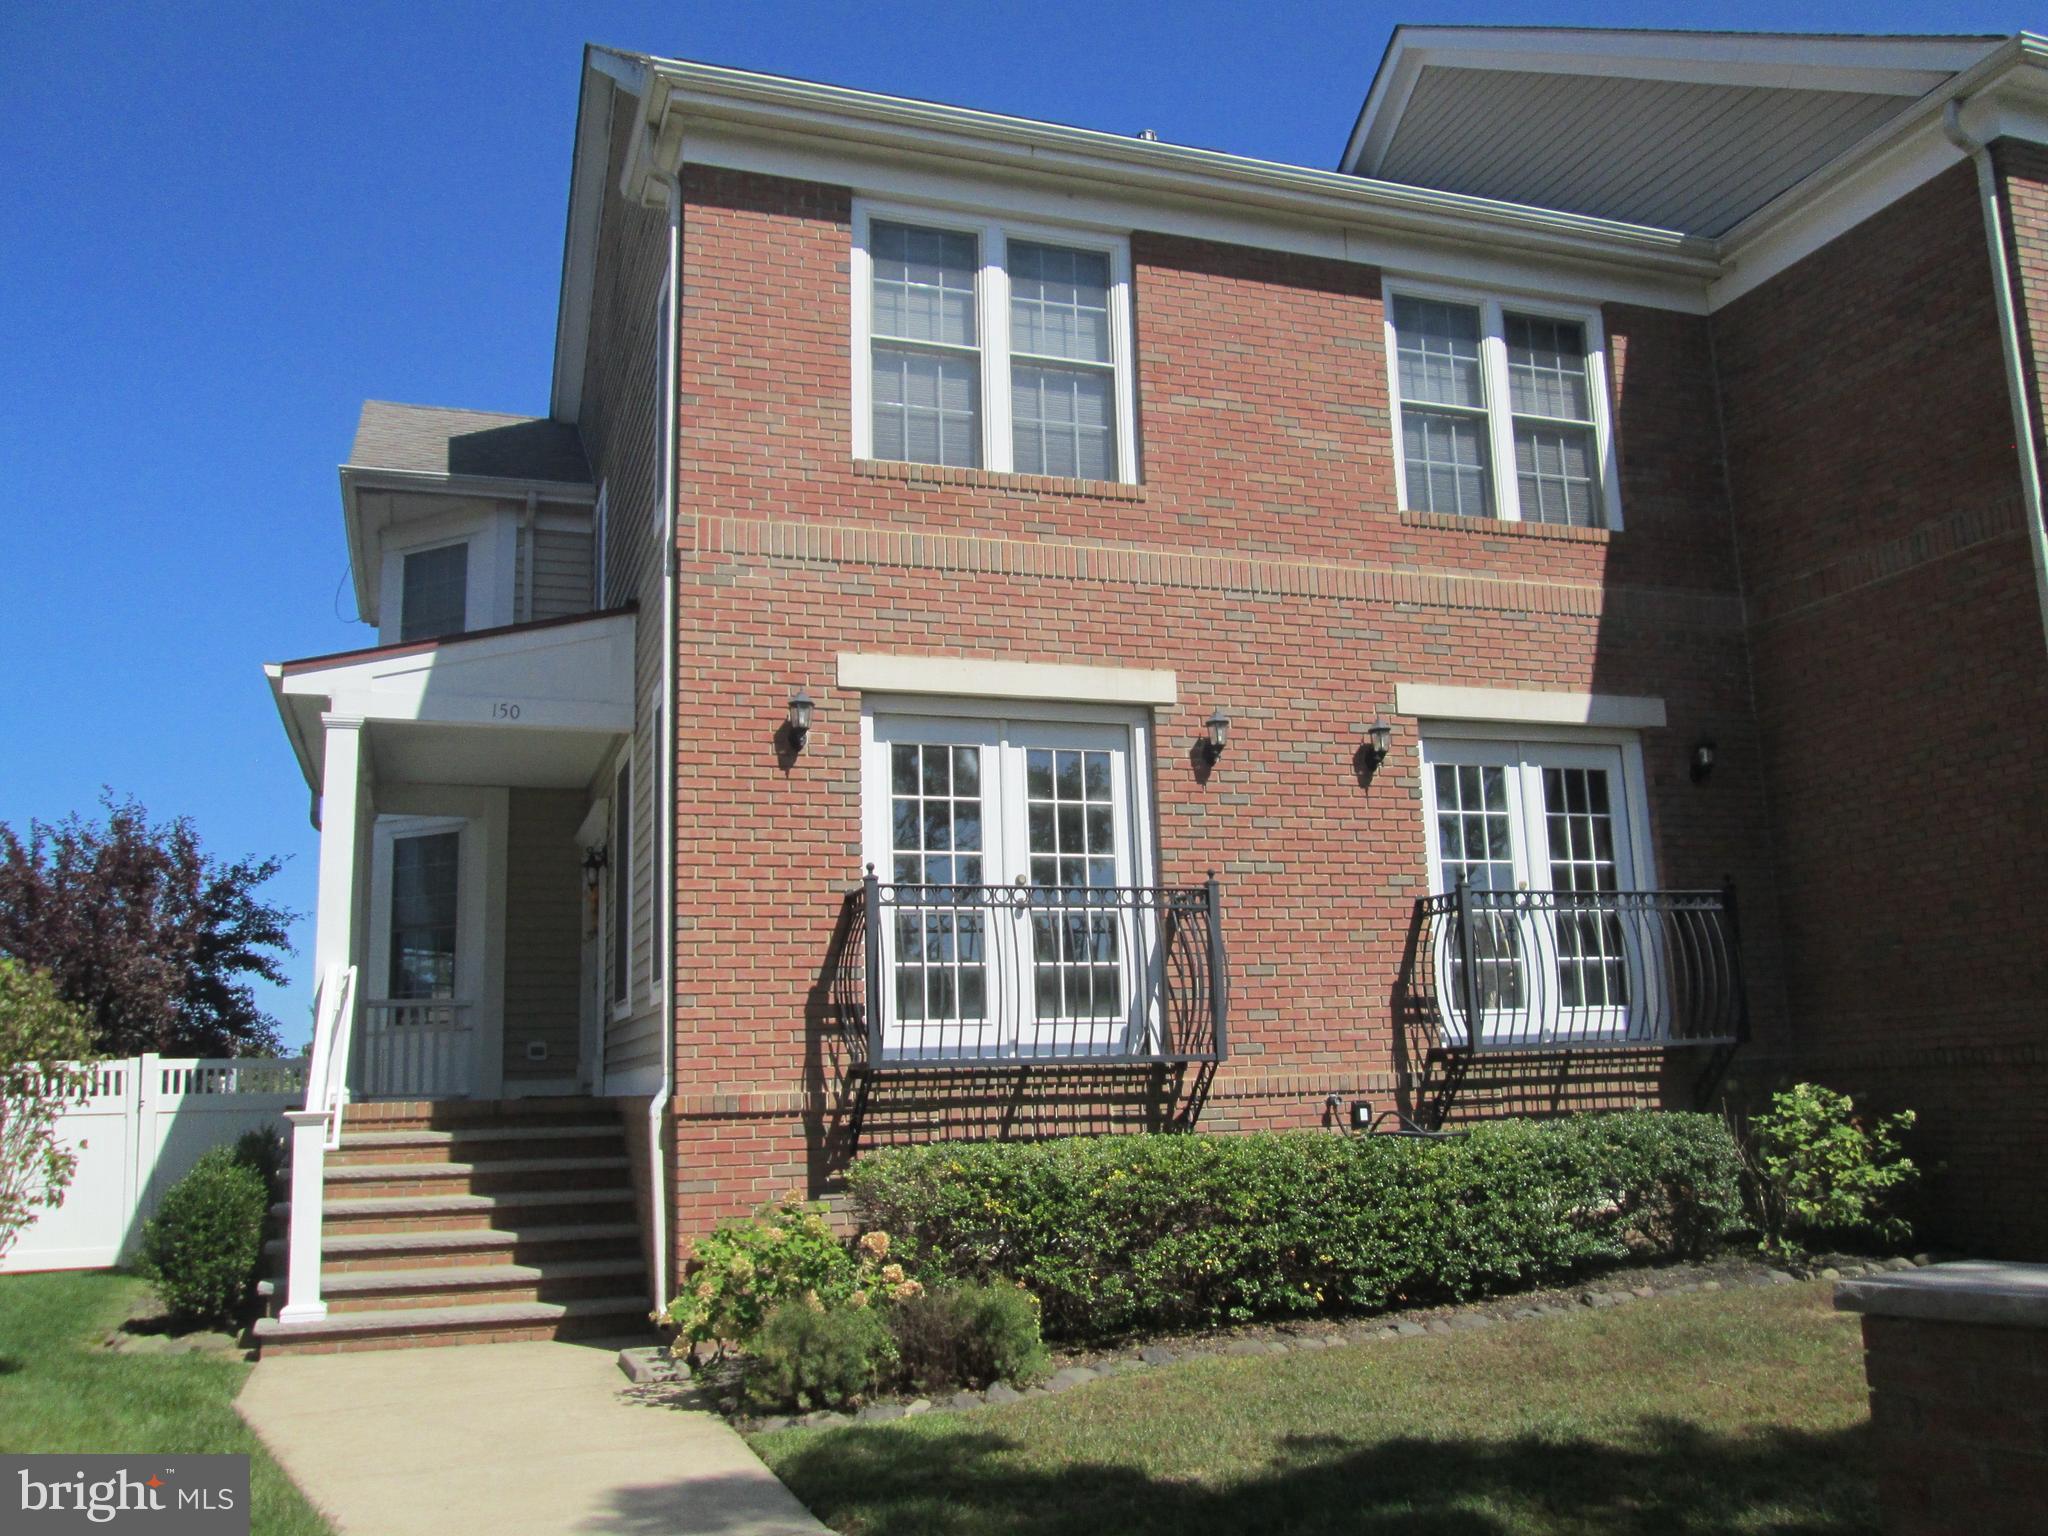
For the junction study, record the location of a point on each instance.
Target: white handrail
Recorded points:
(316, 1131)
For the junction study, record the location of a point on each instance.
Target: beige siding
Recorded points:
(561, 573)
(543, 931)
(618, 423)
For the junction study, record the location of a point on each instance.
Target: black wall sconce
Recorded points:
(1379, 741)
(594, 861)
(1211, 746)
(1702, 759)
(797, 721)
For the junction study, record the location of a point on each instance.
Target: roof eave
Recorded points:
(902, 126)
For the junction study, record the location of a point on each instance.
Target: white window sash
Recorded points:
(992, 319)
(1499, 411)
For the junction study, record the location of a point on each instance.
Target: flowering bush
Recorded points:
(786, 1251)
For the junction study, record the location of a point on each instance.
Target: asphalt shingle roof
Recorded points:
(440, 440)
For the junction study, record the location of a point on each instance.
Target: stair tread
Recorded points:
(344, 1243)
(442, 1138)
(475, 1275)
(499, 1314)
(371, 1173)
(441, 1205)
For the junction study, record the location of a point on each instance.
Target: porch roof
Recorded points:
(528, 705)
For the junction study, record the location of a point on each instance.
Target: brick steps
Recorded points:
(462, 1222)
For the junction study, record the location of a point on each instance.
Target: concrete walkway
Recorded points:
(542, 1439)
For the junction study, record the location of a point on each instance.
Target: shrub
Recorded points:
(1117, 1232)
(42, 1040)
(807, 1355)
(263, 1150)
(202, 1246)
(786, 1251)
(1818, 1171)
(967, 1335)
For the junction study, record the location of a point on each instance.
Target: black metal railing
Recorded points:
(1558, 970)
(994, 975)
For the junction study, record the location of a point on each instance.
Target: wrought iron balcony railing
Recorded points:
(1559, 970)
(949, 976)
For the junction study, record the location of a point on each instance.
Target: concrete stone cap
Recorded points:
(1972, 1291)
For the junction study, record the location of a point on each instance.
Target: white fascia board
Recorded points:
(1528, 706)
(961, 678)
(605, 75)
(933, 181)
(1134, 169)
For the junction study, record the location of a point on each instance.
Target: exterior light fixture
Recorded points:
(594, 861)
(1702, 759)
(1212, 745)
(1379, 741)
(798, 720)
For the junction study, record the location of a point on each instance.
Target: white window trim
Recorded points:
(1138, 721)
(493, 540)
(1529, 706)
(992, 321)
(657, 898)
(620, 1007)
(1633, 780)
(1493, 372)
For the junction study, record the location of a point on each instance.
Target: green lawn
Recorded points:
(60, 1391)
(1741, 1411)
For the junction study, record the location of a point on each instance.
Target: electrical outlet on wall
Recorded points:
(536, 1050)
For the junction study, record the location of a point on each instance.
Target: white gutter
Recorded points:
(2010, 344)
(1129, 164)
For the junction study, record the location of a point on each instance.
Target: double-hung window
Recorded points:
(985, 345)
(1500, 409)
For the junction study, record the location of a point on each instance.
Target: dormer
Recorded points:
(461, 521)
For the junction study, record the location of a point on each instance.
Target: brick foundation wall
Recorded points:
(1959, 1425)
(1262, 560)
(1901, 684)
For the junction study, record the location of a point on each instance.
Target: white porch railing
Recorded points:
(422, 1048)
(316, 1129)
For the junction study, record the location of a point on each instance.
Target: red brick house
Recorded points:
(1009, 629)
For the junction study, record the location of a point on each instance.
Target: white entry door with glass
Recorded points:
(1014, 864)
(417, 1037)
(1541, 835)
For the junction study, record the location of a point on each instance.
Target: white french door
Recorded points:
(1006, 844)
(1542, 832)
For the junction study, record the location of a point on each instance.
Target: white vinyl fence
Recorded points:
(140, 1126)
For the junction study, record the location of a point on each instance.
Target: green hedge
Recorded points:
(1118, 1232)
(202, 1247)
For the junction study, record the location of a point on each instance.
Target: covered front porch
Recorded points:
(463, 797)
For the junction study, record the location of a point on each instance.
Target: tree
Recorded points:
(155, 939)
(42, 1038)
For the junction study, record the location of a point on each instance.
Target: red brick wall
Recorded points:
(1262, 560)
(1901, 677)
(1959, 1426)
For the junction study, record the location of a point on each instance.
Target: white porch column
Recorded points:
(342, 803)
(303, 1302)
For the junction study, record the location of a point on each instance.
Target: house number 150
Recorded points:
(504, 711)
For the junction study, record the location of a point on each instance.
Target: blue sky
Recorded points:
(224, 226)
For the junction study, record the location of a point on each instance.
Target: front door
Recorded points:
(1010, 847)
(418, 1035)
(1540, 833)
